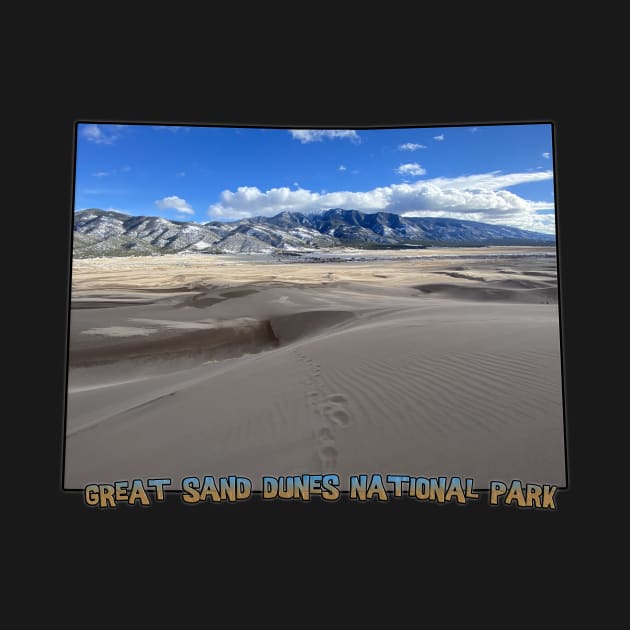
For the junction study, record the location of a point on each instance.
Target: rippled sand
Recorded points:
(418, 362)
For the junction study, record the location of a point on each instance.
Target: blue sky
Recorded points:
(500, 174)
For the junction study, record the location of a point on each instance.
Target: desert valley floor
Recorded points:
(418, 362)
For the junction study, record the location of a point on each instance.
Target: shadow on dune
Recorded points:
(226, 340)
(515, 291)
(288, 328)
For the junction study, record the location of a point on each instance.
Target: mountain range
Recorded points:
(109, 233)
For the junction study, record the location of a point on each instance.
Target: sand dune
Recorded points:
(346, 368)
(517, 291)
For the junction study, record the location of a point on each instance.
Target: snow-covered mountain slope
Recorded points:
(109, 233)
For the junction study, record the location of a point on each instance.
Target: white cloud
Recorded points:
(171, 128)
(474, 129)
(546, 155)
(411, 146)
(317, 135)
(412, 168)
(439, 138)
(174, 203)
(123, 169)
(342, 167)
(493, 180)
(479, 197)
(180, 174)
(100, 134)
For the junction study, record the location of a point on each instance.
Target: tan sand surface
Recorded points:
(421, 362)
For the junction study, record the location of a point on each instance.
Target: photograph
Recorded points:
(277, 301)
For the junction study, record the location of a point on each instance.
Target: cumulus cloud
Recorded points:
(546, 155)
(439, 138)
(481, 197)
(411, 146)
(342, 167)
(174, 203)
(101, 134)
(411, 168)
(317, 135)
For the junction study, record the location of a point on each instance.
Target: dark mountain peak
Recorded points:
(110, 233)
(340, 212)
(288, 219)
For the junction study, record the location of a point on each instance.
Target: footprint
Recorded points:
(340, 417)
(333, 408)
(324, 434)
(328, 456)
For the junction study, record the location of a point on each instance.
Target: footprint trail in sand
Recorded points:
(330, 408)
